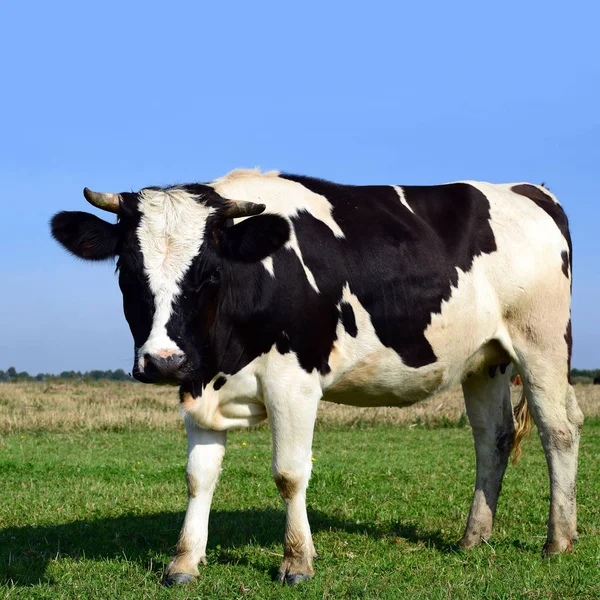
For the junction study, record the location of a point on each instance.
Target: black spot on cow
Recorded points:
(219, 383)
(569, 341)
(348, 319)
(190, 387)
(401, 265)
(565, 262)
(552, 209)
(504, 441)
(503, 367)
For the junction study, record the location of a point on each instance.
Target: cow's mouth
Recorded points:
(157, 378)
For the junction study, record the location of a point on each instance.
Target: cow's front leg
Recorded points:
(205, 455)
(292, 412)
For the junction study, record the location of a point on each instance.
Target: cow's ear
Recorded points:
(85, 235)
(253, 239)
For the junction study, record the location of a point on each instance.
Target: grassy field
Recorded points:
(94, 511)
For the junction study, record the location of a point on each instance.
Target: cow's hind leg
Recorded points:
(487, 399)
(205, 454)
(559, 420)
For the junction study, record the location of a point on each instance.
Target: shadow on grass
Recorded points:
(26, 551)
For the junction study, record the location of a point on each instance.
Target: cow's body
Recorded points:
(371, 296)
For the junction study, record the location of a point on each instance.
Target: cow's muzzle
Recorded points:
(162, 368)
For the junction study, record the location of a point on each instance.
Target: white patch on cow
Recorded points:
(237, 403)
(281, 197)
(528, 263)
(402, 197)
(170, 234)
(461, 334)
(292, 244)
(240, 401)
(268, 265)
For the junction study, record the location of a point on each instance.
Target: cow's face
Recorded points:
(171, 245)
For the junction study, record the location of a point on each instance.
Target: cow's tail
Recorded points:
(523, 426)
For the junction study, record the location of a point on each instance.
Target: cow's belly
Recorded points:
(462, 337)
(381, 379)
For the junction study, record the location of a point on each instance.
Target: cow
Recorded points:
(261, 294)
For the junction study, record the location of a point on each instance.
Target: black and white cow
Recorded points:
(261, 294)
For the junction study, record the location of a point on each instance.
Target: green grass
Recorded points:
(97, 515)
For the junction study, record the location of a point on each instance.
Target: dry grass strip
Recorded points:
(107, 405)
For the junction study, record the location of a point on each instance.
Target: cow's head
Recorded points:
(174, 249)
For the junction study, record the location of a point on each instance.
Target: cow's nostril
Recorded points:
(176, 360)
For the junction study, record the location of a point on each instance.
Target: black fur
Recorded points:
(219, 383)
(348, 319)
(253, 239)
(85, 235)
(569, 342)
(565, 262)
(400, 265)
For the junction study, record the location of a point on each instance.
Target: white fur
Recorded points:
(268, 265)
(237, 404)
(402, 197)
(282, 197)
(170, 234)
(205, 455)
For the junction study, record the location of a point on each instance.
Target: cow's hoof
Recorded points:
(554, 547)
(469, 541)
(295, 579)
(172, 579)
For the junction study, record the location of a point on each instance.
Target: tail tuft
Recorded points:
(523, 426)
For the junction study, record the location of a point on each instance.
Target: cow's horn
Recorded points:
(109, 202)
(239, 208)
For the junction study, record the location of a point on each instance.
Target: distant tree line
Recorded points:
(11, 374)
(589, 373)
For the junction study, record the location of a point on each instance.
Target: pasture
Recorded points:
(93, 497)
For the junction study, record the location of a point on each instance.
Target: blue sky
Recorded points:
(117, 96)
